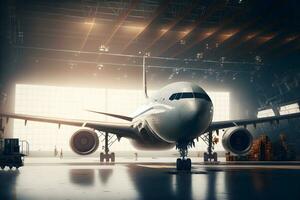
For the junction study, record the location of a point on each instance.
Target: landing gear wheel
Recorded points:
(101, 157)
(205, 156)
(179, 164)
(106, 157)
(211, 157)
(112, 157)
(188, 164)
(215, 156)
(184, 164)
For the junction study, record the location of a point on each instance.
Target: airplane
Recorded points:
(175, 116)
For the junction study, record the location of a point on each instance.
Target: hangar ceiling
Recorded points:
(235, 29)
(226, 39)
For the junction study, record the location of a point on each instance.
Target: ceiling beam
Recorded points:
(89, 30)
(260, 37)
(162, 7)
(244, 33)
(207, 36)
(290, 44)
(225, 44)
(192, 28)
(278, 38)
(171, 25)
(120, 21)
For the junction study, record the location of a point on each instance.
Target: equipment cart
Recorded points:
(10, 154)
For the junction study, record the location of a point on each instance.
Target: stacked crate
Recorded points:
(284, 151)
(267, 150)
(254, 151)
(261, 149)
(230, 157)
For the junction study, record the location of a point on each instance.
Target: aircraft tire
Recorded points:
(179, 164)
(101, 157)
(215, 155)
(183, 164)
(188, 164)
(112, 157)
(205, 156)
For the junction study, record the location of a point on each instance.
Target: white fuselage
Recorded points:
(178, 112)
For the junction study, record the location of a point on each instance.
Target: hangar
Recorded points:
(216, 84)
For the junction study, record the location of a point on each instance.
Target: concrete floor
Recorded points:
(72, 179)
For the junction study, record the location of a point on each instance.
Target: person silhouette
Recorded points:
(61, 154)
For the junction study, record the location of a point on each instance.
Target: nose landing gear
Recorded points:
(209, 156)
(183, 163)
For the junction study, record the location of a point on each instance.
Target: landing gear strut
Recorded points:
(209, 156)
(183, 163)
(106, 156)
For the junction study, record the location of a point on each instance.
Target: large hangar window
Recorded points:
(71, 102)
(289, 109)
(265, 113)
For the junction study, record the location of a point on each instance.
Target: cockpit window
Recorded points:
(189, 95)
(178, 95)
(202, 96)
(172, 96)
(186, 95)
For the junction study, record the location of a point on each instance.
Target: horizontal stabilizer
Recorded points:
(113, 115)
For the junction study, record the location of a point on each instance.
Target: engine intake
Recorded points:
(237, 140)
(84, 141)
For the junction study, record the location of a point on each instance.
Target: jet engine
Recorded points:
(237, 140)
(84, 141)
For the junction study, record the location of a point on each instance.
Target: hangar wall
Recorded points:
(71, 102)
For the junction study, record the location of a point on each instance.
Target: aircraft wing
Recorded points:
(215, 126)
(119, 129)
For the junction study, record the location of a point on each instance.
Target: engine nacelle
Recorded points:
(237, 140)
(84, 141)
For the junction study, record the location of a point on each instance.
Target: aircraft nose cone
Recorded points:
(191, 110)
(196, 116)
(195, 108)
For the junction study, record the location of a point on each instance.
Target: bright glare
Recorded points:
(221, 105)
(69, 102)
(289, 109)
(265, 113)
(89, 23)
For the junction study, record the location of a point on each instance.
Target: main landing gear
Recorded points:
(106, 156)
(183, 163)
(210, 156)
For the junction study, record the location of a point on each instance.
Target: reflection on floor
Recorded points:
(150, 181)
